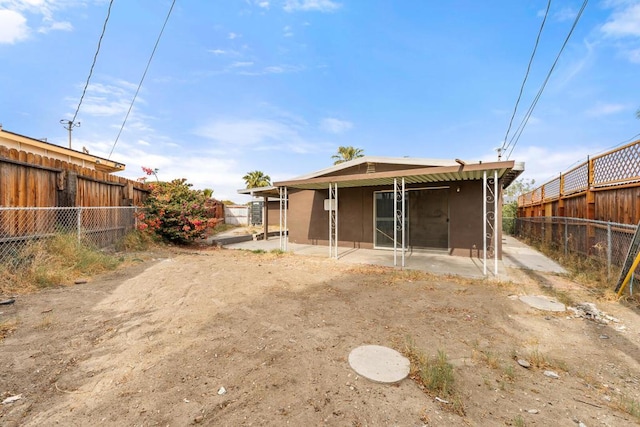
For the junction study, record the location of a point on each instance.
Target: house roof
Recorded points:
(420, 171)
(26, 143)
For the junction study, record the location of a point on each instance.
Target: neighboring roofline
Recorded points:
(270, 191)
(101, 163)
(468, 171)
(378, 159)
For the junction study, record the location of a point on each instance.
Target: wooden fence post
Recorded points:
(591, 207)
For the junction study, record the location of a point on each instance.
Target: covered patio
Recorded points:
(472, 190)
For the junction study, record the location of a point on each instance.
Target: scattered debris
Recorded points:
(12, 399)
(198, 419)
(80, 281)
(533, 411)
(551, 374)
(588, 310)
(524, 363)
(222, 391)
(604, 337)
(185, 400)
(48, 310)
(441, 400)
(8, 301)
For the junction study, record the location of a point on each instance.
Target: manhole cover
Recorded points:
(379, 364)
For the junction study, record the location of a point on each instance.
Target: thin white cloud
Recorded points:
(274, 69)
(287, 31)
(565, 14)
(263, 4)
(605, 110)
(240, 135)
(218, 51)
(311, 6)
(232, 36)
(624, 22)
(13, 27)
(247, 132)
(56, 26)
(241, 64)
(335, 126)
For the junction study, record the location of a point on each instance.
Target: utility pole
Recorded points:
(70, 124)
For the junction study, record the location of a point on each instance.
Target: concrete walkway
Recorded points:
(515, 255)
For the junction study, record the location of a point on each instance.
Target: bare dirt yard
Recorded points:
(221, 337)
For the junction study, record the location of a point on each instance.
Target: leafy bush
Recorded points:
(176, 213)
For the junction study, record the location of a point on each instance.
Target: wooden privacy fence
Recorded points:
(31, 180)
(604, 188)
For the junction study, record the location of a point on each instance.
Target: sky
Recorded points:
(278, 85)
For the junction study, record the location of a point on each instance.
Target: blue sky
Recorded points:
(278, 85)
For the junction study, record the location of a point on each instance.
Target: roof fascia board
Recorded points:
(54, 148)
(376, 159)
(506, 165)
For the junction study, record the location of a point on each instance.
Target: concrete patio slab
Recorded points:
(516, 255)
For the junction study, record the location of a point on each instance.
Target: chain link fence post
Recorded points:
(609, 250)
(79, 224)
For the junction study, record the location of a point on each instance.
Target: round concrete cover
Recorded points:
(542, 303)
(379, 364)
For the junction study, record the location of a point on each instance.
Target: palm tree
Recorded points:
(257, 179)
(208, 192)
(345, 154)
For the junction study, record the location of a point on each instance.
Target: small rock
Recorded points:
(581, 424)
(533, 411)
(441, 400)
(604, 337)
(186, 400)
(198, 419)
(80, 281)
(12, 399)
(222, 391)
(524, 363)
(551, 374)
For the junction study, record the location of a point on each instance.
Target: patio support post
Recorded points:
(333, 220)
(330, 220)
(265, 218)
(398, 219)
(484, 223)
(495, 222)
(284, 234)
(403, 221)
(281, 222)
(395, 221)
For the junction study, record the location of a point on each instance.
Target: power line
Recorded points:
(142, 79)
(95, 58)
(525, 120)
(526, 75)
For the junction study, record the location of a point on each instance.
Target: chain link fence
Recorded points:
(96, 227)
(607, 242)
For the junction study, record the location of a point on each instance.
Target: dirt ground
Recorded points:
(221, 337)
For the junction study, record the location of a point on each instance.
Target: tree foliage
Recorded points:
(256, 179)
(510, 201)
(175, 212)
(345, 154)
